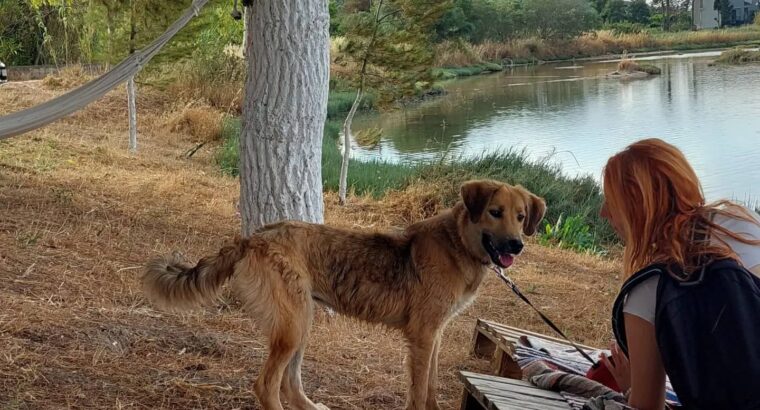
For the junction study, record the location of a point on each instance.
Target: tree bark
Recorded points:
(284, 112)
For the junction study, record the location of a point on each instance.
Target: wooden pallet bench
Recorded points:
(497, 393)
(497, 342)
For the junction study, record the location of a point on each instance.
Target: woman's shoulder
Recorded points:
(641, 300)
(745, 223)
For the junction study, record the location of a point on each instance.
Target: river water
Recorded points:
(570, 114)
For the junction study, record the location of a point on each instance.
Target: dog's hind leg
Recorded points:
(292, 386)
(282, 303)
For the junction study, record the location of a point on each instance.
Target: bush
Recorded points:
(757, 18)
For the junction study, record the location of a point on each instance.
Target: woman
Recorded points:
(654, 202)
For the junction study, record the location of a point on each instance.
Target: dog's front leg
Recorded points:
(420, 352)
(432, 402)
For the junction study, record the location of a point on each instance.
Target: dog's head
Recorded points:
(498, 215)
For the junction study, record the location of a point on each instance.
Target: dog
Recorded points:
(415, 280)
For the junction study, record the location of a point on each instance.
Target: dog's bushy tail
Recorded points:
(173, 283)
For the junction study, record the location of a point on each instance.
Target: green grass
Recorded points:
(339, 103)
(738, 56)
(447, 73)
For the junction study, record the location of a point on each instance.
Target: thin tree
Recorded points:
(284, 111)
(389, 41)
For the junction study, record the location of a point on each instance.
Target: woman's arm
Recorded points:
(647, 372)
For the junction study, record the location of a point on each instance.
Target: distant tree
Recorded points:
(558, 18)
(599, 5)
(614, 11)
(20, 35)
(389, 47)
(638, 12)
(456, 22)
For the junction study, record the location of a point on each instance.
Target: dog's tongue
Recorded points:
(506, 260)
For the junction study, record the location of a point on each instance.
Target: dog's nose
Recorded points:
(515, 246)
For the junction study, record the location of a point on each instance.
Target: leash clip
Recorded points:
(503, 276)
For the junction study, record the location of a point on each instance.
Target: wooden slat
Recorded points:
(496, 393)
(514, 333)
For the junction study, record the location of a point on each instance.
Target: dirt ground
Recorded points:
(79, 216)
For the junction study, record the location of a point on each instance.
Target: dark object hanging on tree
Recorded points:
(236, 14)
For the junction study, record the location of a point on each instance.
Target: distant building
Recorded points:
(705, 16)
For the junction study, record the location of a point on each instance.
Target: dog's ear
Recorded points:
(536, 209)
(476, 195)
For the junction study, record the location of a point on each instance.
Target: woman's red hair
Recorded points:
(656, 201)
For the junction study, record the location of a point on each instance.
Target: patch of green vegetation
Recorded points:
(339, 102)
(228, 155)
(573, 233)
(448, 73)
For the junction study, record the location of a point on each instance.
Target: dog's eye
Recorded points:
(496, 213)
(520, 217)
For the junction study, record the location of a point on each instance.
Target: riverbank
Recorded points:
(600, 45)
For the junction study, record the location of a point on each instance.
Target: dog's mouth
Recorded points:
(502, 259)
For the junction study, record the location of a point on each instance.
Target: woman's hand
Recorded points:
(619, 367)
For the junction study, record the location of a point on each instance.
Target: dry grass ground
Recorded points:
(78, 218)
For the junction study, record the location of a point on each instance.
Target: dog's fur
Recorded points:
(414, 280)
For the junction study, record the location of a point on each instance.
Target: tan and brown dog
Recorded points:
(414, 280)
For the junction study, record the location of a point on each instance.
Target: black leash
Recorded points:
(500, 273)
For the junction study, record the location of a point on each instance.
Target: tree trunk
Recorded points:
(343, 184)
(284, 112)
(132, 103)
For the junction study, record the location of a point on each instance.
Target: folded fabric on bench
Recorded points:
(566, 370)
(545, 376)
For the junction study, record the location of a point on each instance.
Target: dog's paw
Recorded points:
(321, 406)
